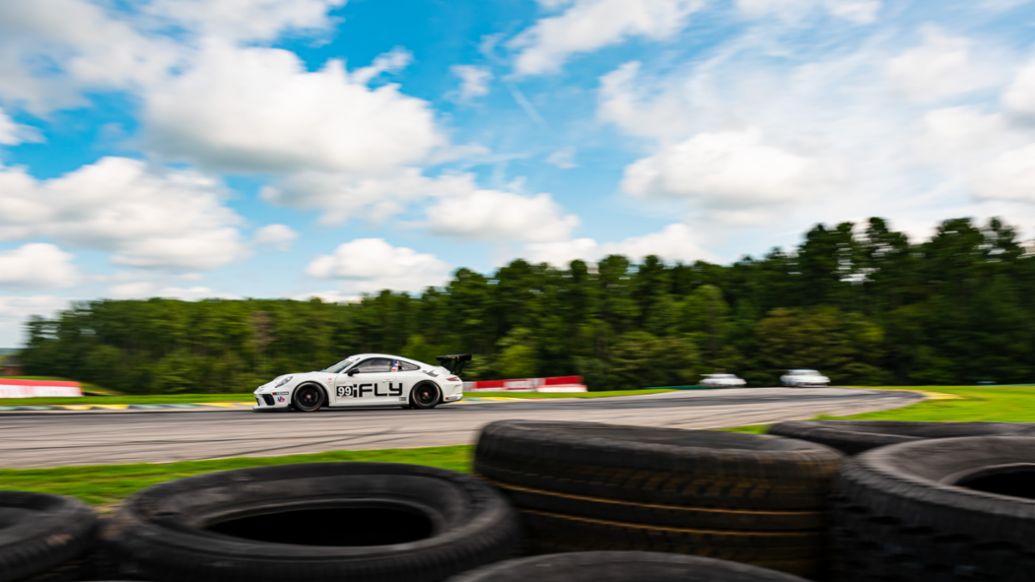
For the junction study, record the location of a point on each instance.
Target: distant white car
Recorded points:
(721, 380)
(804, 378)
(367, 380)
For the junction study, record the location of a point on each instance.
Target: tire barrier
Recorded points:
(856, 436)
(960, 509)
(44, 537)
(622, 567)
(587, 486)
(317, 521)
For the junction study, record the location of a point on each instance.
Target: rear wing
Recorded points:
(454, 362)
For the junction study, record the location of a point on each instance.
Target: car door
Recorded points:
(366, 384)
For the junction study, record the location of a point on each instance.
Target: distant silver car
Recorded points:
(721, 380)
(804, 378)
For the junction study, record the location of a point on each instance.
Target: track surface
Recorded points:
(41, 440)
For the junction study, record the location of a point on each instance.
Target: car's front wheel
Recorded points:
(425, 396)
(308, 398)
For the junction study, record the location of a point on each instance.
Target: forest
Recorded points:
(860, 302)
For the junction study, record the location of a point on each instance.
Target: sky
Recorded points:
(301, 148)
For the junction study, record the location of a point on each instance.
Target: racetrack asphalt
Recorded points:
(42, 440)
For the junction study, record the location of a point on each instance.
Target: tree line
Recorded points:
(862, 303)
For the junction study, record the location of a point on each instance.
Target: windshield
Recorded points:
(342, 365)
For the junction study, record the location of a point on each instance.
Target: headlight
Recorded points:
(283, 381)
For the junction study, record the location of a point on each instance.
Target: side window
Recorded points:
(373, 365)
(408, 367)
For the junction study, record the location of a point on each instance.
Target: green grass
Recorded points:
(105, 485)
(534, 395)
(972, 403)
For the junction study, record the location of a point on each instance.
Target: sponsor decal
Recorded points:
(369, 389)
(281, 399)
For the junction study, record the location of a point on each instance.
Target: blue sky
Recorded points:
(292, 148)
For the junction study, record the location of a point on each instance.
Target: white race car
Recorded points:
(721, 381)
(367, 380)
(804, 378)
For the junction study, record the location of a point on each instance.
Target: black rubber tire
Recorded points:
(415, 396)
(622, 567)
(185, 529)
(857, 436)
(44, 537)
(906, 512)
(792, 552)
(754, 498)
(300, 401)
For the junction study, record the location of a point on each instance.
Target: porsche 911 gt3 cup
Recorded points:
(368, 380)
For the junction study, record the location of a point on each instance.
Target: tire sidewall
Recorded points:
(322, 398)
(417, 405)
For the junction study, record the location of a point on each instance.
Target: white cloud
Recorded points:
(495, 215)
(148, 289)
(370, 264)
(66, 46)
(563, 158)
(474, 81)
(330, 296)
(675, 242)
(856, 11)
(344, 196)
(1020, 95)
(12, 133)
(588, 25)
(16, 309)
(1010, 176)
(775, 142)
(727, 170)
(259, 109)
(942, 67)
(37, 265)
(392, 61)
(145, 216)
(278, 236)
(240, 20)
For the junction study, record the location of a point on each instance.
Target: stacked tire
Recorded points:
(361, 522)
(958, 509)
(622, 567)
(45, 538)
(755, 499)
(857, 436)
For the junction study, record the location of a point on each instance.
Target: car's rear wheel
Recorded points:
(425, 396)
(308, 398)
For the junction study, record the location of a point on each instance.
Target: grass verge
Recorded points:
(969, 404)
(948, 403)
(105, 485)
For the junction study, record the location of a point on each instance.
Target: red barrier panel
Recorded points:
(553, 384)
(17, 388)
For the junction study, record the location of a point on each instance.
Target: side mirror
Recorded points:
(352, 372)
